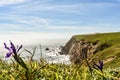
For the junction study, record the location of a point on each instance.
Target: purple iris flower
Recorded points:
(100, 65)
(12, 49)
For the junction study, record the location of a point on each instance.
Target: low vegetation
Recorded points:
(42, 70)
(110, 47)
(106, 69)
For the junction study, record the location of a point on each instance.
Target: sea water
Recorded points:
(51, 56)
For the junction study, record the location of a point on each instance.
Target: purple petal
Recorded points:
(13, 47)
(101, 65)
(6, 46)
(8, 54)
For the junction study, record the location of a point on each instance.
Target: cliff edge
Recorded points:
(94, 46)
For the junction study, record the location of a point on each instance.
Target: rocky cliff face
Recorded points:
(94, 47)
(80, 50)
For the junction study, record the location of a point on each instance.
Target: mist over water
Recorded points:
(33, 38)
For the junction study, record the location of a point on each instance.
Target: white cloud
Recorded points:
(93, 28)
(78, 8)
(71, 27)
(65, 22)
(35, 21)
(20, 21)
(12, 26)
(25, 20)
(7, 2)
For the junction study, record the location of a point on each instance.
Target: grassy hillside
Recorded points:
(111, 53)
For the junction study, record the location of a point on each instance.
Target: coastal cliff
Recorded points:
(93, 46)
(80, 50)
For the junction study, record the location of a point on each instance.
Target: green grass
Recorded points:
(45, 71)
(109, 38)
(113, 49)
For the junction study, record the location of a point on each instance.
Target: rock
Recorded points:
(80, 50)
(47, 49)
(60, 47)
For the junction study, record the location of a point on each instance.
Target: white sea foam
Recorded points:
(55, 57)
(51, 56)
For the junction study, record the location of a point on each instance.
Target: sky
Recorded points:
(31, 20)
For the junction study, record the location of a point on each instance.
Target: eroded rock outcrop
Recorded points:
(80, 50)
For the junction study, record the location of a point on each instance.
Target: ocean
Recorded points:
(52, 55)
